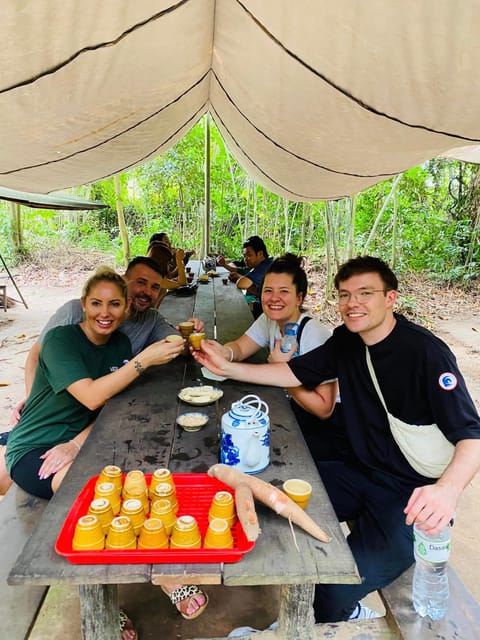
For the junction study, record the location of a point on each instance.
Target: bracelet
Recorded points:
(138, 367)
(76, 444)
(231, 353)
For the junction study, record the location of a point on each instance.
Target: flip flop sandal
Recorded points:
(185, 593)
(126, 623)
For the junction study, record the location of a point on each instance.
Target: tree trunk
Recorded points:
(206, 220)
(16, 221)
(351, 228)
(235, 192)
(328, 251)
(380, 214)
(395, 231)
(121, 220)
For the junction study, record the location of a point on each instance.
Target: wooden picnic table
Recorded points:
(137, 430)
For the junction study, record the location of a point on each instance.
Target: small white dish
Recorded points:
(193, 421)
(201, 395)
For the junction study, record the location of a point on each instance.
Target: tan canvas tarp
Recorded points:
(316, 99)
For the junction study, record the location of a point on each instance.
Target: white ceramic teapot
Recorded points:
(245, 436)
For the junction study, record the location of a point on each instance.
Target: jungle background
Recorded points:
(425, 220)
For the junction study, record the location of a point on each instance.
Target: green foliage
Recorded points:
(436, 206)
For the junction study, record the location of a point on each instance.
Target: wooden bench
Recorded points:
(19, 514)
(401, 622)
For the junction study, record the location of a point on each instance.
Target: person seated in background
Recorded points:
(164, 239)
(283, 294)
(256, 258)
(171, 279)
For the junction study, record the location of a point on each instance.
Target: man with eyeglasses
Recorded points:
(421, 385)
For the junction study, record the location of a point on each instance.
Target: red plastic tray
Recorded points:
(195, 493)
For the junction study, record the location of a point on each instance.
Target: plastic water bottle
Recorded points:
(289, 339)
(430, 591)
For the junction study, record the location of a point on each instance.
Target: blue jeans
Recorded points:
(380, 541)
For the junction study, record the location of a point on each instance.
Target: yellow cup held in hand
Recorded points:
(195, 339)
(186, 328)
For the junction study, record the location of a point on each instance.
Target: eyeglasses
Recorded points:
(362, 296)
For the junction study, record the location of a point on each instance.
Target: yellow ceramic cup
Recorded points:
(111, 473)
(218, 535)
(223, 506)
(160, 476)
(298, 490)
(135, 478)
(153, 535)
(135, 511)
(137, 493)
(121, 534)
(107, 490)
(163, 510)
(185, 534)
(88, 535)
(102, 508)
(195, 340)
(186, 328)
(167, 491)
(173, 337)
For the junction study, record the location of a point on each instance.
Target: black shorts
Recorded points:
(25, 474)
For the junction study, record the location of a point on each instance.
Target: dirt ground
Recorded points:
(451, 314)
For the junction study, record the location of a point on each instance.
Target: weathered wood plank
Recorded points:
(19, 513)
(99, 612)
(296, 617)
(188, 573)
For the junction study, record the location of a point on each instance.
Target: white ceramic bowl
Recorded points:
(192, 421)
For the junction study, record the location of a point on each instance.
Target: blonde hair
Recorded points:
(105, 274)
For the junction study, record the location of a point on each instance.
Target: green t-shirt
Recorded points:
(51, 414)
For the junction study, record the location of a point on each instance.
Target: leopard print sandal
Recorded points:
(185, 593)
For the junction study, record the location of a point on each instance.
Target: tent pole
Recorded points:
(14, 283)
(206, 224)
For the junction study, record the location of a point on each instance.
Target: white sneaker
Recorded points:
(362, 612)
(239, 632)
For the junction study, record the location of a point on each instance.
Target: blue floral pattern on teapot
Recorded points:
(245, 436)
